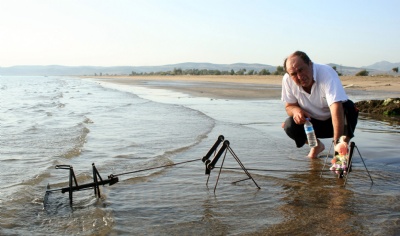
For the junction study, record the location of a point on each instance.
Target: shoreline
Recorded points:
(244, 87)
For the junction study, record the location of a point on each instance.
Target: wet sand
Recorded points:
(246, 87)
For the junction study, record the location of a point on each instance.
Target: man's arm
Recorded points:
(337, 119)
(298, 114)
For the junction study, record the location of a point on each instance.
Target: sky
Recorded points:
(160, 32)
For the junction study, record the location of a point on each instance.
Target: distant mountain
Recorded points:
(345, 70)
(64, 70)
(383, 66)
(125, 70)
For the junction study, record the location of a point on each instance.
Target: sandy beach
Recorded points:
(246, 87)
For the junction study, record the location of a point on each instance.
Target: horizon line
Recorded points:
(254, 63)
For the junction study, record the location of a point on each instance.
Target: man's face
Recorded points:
(300, 72)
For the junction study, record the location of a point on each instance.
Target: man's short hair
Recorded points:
(300, 54)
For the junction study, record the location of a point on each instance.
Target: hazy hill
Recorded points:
(64, 70)
(125, 70)
(346, 70)
(382, 67)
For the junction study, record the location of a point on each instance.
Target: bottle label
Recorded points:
(309, 129)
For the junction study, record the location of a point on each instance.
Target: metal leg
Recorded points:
(352, 146)
(326, 158)
(243, 168)
(219, 173)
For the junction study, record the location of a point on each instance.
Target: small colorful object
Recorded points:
(340, 160)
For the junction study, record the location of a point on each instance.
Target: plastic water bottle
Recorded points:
(312, 139)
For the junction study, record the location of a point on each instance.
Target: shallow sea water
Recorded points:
(48, 121)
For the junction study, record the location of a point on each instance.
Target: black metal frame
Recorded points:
(73, 183)
(210, 164)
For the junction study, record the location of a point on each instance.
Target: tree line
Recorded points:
(279, 71)
(178, 71)
(366, 73)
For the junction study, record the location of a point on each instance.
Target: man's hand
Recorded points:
(298, 114)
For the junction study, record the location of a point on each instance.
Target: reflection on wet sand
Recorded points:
(315, 205)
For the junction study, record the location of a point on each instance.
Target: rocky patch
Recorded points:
(387, 107)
